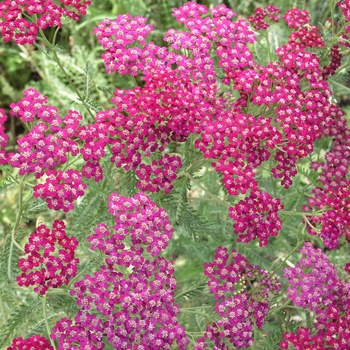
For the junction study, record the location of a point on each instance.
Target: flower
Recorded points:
(43, 14)
(135, 307)
(315, 285)
(295, 18)
(36, 342)
(50, 261)
(229, 277)
(3, 138)
(61, 189)
(263, 16)
(256, 217)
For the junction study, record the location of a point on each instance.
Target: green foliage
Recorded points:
(18, 319)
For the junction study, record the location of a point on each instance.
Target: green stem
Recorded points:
(55, 36)
(296, 248)
(299, 213)
(192, 166)
(272, 273)
(345, 65)
(57, 291)
(197, 313)
(75, 159)
(296, 192)
(106, 176)
(268, 44)
(332, 6)
(15, 228)
(47, 322)
(286, 305)
(9, 174)
(272, 179)
(2, 310)
(310, 224)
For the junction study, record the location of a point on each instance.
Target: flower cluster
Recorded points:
(229, 275)
(36, 342)
(85, 332)
(50, 262)
(61, 189)
(264, 16)
(257, 217)
(335, 63)
(332, 198)
(115, 37)
(3, 138)
(44, 13)
(48, 143)
(315, 285)
(139, 218)
(134, 308)
(335, 333)
(295, 18)
(335, 219)
(345, 9)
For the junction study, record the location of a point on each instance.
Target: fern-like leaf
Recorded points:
(62, 303)
(311, 175)
(192, 291)
(17, 319)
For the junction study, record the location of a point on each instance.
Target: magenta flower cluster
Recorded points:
(314, 284)
(335, 333)
(263, 17)
(256, 217)
(296, 18)
(50, 260)
(49, 141)
(61, 189)
(35, 342)
(134, 308)
(344, 6)
(332, 197)
(84, 332)
(335, 63)
(229, 277)
(3, 138)
(15, 25)
(137, 218)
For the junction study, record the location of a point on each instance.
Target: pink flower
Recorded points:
(238, 307)
(36, 342)
(61, 189)
(295, 18)
(50, 261)
(43, 13)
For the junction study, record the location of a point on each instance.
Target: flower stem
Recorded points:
(9, 174)
(2, 310)
(47, 323)
(15, 228)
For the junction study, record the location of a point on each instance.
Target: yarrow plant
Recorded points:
(197, 186)
(41, 267)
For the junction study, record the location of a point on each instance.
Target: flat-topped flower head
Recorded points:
(295, 18)
(50, 260)
(35, 342)
(15, 25)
